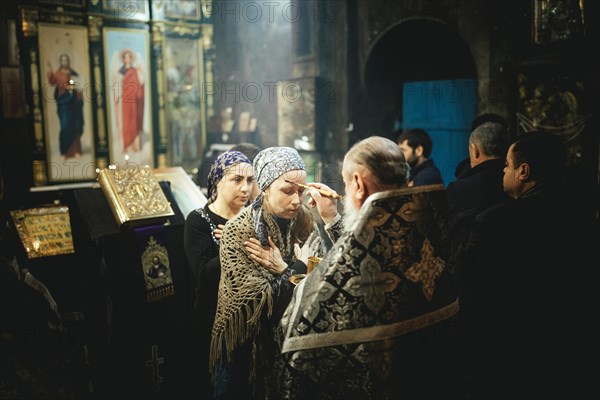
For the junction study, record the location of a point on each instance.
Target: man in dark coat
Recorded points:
(416, 146)
(481, 186)
(465, 164)
(518, 302)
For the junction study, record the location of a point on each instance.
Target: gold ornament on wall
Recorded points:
(95, 25)
(207, 8)
(29, 19)
(555, 20)
(554, 104)
(39, 173)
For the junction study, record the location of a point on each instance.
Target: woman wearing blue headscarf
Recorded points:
(257, 258)
(230, 184)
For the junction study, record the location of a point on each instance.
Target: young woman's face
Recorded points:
(284, 199)
(236, 185)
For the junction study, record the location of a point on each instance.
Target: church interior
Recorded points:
(94, 89)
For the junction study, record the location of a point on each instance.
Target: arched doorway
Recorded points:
(421, 74)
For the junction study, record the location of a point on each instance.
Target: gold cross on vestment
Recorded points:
(427, 270)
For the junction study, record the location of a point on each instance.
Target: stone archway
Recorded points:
(413, 50)
(418, 52)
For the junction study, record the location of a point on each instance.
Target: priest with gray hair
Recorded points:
(367, 321)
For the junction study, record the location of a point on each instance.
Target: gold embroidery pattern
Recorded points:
(361, 262)
(427, 270)
(345, 317)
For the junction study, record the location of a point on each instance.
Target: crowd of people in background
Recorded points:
(427, 290)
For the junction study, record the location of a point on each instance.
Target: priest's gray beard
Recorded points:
(350, 214)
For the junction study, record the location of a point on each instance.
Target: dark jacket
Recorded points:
(523, 290)
(479, 189)
(511, 270)
(425, 173)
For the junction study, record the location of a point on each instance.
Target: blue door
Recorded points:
(445, 109)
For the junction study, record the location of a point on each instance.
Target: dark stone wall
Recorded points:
(16, 145)
(253, 50)
(339, 42)
(426, 40)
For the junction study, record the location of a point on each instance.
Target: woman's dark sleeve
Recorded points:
(200, 248)
(283, 289)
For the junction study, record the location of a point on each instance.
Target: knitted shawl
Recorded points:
(245, 287)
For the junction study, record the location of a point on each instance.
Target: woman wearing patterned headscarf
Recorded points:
(257, 258)
(230, 183)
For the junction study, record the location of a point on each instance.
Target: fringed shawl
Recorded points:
(245, 287)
